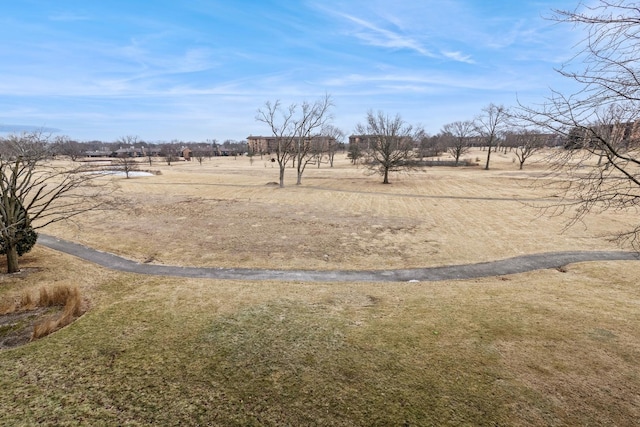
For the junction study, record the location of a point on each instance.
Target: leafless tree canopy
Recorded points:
(313, 118)
(525, 143)
(457, 136)
(65, 146)
(607, 62)
(35, 193)
(601, 121)
(125, 162)
(281, 121)
(490, 125)
(391, 143)
(335, 136)
(293, 128)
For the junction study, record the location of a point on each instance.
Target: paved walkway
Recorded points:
(514, 265)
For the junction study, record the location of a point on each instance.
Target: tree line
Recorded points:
(65, 146)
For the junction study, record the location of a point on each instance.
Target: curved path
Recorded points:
(514, 265)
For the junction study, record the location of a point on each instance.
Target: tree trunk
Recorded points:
(386, 176)
(486, 167)
(12, 259)
(282, 166)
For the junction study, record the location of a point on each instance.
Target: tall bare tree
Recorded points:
(601, 119)
(313, 118)
(170, 151)
(125, 160)
(282, 123)
(293, 130)
(490, 125)
(335, 137)
(150, 152)
(525, 143)
(391, 143)
(64, 145)
(126, 164)
(458, 141)
(35, 193)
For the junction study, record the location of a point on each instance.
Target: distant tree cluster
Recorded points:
(132, 146)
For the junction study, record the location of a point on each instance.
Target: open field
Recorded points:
(224, 214)
(541, 348)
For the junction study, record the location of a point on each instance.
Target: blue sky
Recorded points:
(200, 69)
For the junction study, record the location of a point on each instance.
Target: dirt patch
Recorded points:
(16, 329)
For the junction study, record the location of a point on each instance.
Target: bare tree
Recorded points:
(126, 164)
(458, 138)
(319, 147)
(212, 148)
(169, 152)
(293, 133)
(200, 152)
(427, 145)
(313, 117)
(525, 143)
(601, 120)
(67, 147)
(391, 143)
(355, 152)
(35, 193)
(125, 161)
(490, 124)
(335, 136)
(149, 152)
(283, 128)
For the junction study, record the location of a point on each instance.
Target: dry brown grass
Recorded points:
(551, 347)
(66, 301)
(66, 297)
(223, 214)
(540, 348)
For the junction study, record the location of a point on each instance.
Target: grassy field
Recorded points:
(552, 347)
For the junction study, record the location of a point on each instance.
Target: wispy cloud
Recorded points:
(377, 36)
(206, 66)
(399, 37)
(414, 80)
(459, 56)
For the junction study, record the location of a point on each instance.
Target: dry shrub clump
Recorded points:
(21, 303)
(59, 296)
(62, 304)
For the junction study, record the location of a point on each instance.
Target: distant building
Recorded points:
(365, 142)
(544, 139)
(624, 135)
(133, 151)
(269, 144)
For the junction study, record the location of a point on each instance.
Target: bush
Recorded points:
(27, 238)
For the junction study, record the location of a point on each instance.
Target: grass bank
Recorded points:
(542, 348)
